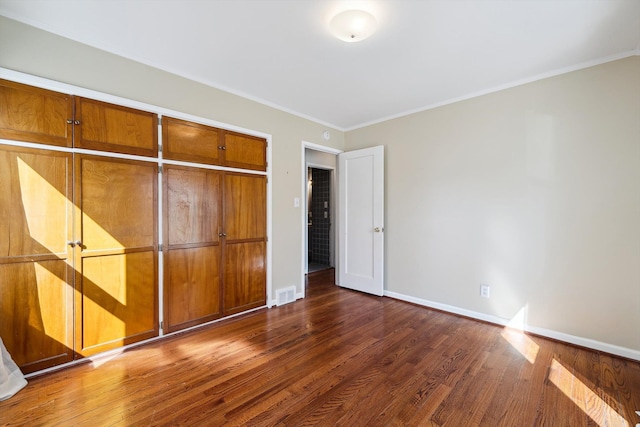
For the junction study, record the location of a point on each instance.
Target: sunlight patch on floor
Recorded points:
(581, 395)
(102, 359)
(514, 334)
(521, 342)
(221, 348)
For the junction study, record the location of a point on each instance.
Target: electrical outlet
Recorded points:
(485, 291)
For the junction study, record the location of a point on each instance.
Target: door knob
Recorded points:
(377, 229)
(72, 244)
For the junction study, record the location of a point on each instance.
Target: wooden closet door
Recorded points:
(37, 115)
(245, 229)
(109, 127)
(191, 142)
(116, 282)
(36, 293)
(245, 151)
(192, 254)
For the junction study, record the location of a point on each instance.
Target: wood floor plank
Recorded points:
(339, 357)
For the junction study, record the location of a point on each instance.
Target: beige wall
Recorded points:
(534, 190)
(29, 50)
(319, 158)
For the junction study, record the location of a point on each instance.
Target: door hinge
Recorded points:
(160, 247)
(160, 169)
(159, 121)
(162, 325)
(160, 148)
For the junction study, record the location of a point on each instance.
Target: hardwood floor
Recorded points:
(339, 357)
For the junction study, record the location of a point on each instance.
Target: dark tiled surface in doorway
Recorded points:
(320, 216)
(315, 266)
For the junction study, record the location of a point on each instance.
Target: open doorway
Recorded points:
(357, 200)
(320, 247)
(320, 233)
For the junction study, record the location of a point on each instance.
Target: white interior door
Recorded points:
(361, 220)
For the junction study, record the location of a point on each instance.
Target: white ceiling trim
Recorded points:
(516, 83)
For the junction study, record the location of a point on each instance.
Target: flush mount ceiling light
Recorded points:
(353, 25)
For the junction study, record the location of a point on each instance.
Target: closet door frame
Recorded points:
(43, 83)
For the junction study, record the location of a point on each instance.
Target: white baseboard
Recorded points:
(560, 336)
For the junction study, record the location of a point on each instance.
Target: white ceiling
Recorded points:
(280, 52)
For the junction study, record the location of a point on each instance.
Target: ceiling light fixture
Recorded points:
(353, 25)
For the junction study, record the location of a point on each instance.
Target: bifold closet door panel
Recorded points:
(36, 307)
(32, 114)
(192, 206)
(192, 228)
(118, 294)
(116, 280)
(109, 127)
(192, 287)
(245, 151)
(244, 255)
(245, 207)
(245, 283)
(191, 142)
(118, 200)
(36, 271)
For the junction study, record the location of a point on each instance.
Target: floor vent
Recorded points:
(285, 296)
